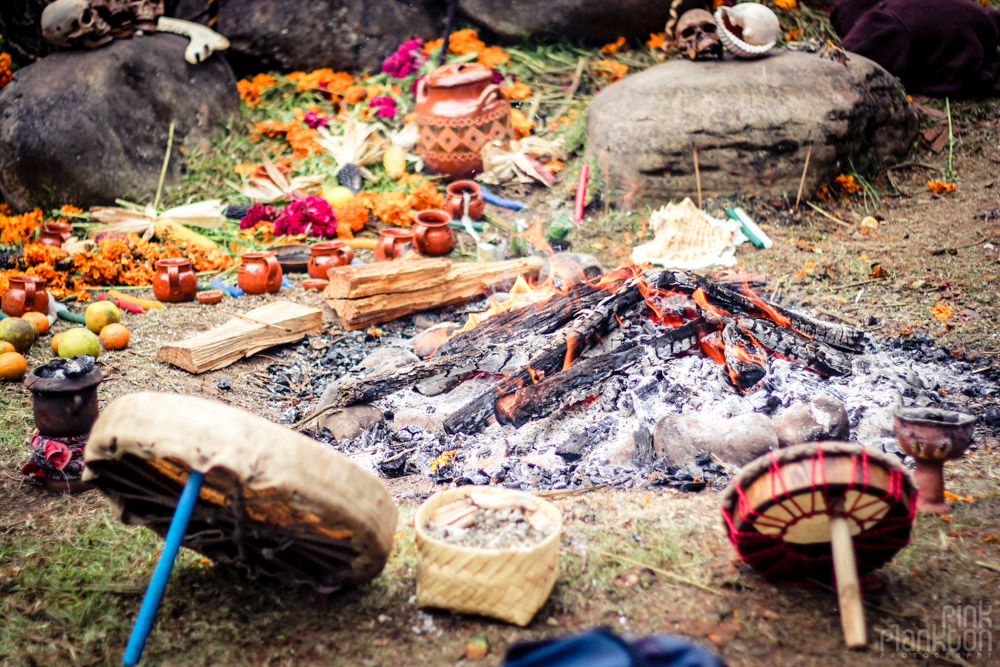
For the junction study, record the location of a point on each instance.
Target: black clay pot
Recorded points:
(64, 407)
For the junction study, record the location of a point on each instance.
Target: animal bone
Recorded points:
(204, 40)
(698, 34)
(74, 22)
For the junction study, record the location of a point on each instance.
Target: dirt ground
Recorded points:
(640, 562)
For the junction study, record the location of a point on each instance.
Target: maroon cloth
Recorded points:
(936, 47)
(58, 459)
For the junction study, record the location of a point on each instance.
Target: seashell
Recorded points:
(747, 30)
(684, 237)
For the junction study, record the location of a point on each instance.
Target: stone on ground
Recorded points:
(752, 122)
(87, 127)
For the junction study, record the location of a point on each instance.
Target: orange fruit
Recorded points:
(40, 321)
(55, 341)
(114, 337)
(6, 347)
(13, 366)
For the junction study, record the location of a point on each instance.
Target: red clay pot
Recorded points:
(458, 111)
(326, 255)
(26, 293)
(174, 280)
(392, 243)
(316, 284)
(55, 233)
(456, 200)
(210, 297)
(432, 234)
(259, 273)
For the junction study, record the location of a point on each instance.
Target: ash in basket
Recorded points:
(486, 521)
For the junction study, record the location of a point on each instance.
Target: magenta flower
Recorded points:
(256, 213)
(386, 106)
(314, 120)
(406, 60)
(312, 214)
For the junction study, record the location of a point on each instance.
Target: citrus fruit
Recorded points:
(114, 337)
(55, 341)
(19, 333)
(100, 314)
(6, 347)
(79, 341)
(13, 366)
(40, 321)
(338, 195)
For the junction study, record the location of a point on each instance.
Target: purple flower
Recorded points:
(386, 106)
(413, 86)
(314, 120)
(406, 60)
(497, 77)
(256, 213)
(312, 213)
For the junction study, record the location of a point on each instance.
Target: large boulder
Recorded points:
(752, 122)
(291, 35)
(588, 20)
(85, 127)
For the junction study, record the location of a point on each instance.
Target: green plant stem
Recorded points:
(951, 140)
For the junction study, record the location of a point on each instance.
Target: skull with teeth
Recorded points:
(74, 22)
(698, 34)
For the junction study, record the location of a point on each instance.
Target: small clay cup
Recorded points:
(432, 233)
(64, 407)
(26, 293)
(326, 255)
(455, 203)
(259, 273)
(392, 243)
(174, 280)
(55, 233)
(931, 436)
(315, 283)
(210, 297)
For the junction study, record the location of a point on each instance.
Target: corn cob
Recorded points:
(367, 244)
(168, 230)
(394, 161)
(145, 303)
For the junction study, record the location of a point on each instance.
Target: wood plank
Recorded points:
(353, 282)
(395, 298)
(240, 337)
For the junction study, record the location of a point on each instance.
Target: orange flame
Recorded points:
(713, 347)
(699, 297)
(570, 346)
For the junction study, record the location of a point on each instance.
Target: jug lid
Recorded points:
(459, 74)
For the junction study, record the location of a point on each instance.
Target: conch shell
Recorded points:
(747, 30)
(684, 237)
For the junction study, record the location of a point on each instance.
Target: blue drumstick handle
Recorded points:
(496, 200)
(158, 584)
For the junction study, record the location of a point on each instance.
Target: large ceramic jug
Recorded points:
(458, 111)
(25, 293)
(259, 273)
(174, 280)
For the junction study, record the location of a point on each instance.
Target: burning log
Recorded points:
(746, 361)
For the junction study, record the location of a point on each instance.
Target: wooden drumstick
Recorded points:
(845, 568)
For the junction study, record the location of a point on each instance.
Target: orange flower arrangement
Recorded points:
(460, 42)
(391, 208)
(352, 216)
(354, 94)
(612, 69)
(425, 195)
(301, 139)
(17, 228)
(613, 47)
(517, 91)
(5, 69)
(322, 79)
(493, 56)
(656, 40)
(250, 91)
(433, 44)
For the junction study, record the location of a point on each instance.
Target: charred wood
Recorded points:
(810, 352)
(745, 359)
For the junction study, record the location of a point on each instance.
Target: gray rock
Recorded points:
(426, 343)
(352, 421)
(752, 122)
(748, 436)
(592, 21)
(824, 418)
(571, 267)
(294, 35)
(86, 127)
(682, 437)
(385, 358)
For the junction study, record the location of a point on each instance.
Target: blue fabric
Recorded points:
(602, 648)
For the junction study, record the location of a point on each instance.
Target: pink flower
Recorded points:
(256, 213)
(406, 60)
(312, 215)
(314, 120)
(386, 106)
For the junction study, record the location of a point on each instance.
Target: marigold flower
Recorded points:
(522, 126)
(354, 94)
(5, 69)
(18, 228)
(612, 69)
(785, 4)
(847, 184)
(465, 41)
(656, 40)
(389, 207)
(433, 44)
(493, 56)
(352, 216)
(517, 91)
(250, 91)
(324, 79)
(793, 34)
(425, 195)
(940, 187)
(612, 48)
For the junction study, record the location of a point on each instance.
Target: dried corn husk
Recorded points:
(276, 185)
(169, 224)
(361, 143)
(517, 162)
(509, 584)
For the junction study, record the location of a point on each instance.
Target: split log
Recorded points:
(782, 340)
(745, 360)
(375, 293)
(244, 335)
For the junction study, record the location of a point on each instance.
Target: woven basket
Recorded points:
(509, 584)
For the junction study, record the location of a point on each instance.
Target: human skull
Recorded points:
(698, 34)
(146, 13)
(72, 22)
